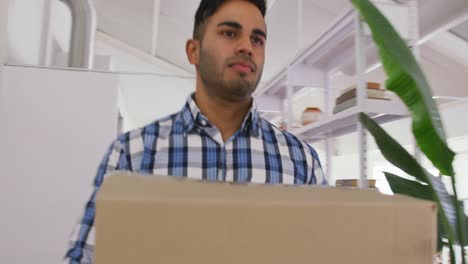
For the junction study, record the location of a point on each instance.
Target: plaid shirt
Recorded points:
(185, 144)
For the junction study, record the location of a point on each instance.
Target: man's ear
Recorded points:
(192, 49)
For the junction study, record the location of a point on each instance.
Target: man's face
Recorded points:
(232, 51)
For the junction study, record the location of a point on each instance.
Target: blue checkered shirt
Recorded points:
(185, 144)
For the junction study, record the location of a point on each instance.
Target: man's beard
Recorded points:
(212, 75)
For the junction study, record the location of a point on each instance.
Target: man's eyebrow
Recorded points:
(230, 24)
(237, 25)
(259, 32)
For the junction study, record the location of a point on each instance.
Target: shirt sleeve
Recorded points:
(81, 249)
(317, 176)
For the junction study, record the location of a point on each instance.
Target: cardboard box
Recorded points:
(177, 221)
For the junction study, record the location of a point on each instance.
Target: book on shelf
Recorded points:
(371, 93)
(347, 98)
(344, 105)
(354, 183)
(370, 85)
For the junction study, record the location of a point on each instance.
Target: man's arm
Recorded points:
(316, 175)
(81, 249)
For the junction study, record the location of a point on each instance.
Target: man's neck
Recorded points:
(226, 116)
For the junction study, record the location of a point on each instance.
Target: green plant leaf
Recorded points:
(415, 189)
(392, 150)
(440, 234)
(464, 221)
(408, 187)
(422, 191)
(399, 157)
(407, 80)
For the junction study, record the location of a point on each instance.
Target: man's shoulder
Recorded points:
(287, 138)
(155, 129)
(268, 127)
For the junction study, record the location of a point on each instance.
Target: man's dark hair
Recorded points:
(208, 7)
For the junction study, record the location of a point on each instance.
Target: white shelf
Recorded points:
(335, 43)
(345, 46)
(344, 122)
(334, 47)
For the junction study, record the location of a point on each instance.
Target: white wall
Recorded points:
(145, 98)
(345, 165)
(56, 126)
(461, 168)
(3, 30)
(26, 21)
(58, 42)
(149, 88)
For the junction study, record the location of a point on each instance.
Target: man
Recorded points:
(218, 135)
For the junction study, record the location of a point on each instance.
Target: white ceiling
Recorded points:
(161, 28)
(176, 18)
(461, 30)
(286, 37)
(129, 21)
(136, 23)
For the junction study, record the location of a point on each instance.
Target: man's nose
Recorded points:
(244, 46)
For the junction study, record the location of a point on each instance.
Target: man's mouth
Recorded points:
(243, 67)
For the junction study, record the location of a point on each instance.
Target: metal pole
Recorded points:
(83, 33)
(329, 147)
(328, 141)
(361, 95)
(289, 99)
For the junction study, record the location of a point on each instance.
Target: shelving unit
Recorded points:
(346, 46)
(345, 122)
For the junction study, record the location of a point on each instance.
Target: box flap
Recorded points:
(132, 187)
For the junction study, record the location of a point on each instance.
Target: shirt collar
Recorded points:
(193, 118)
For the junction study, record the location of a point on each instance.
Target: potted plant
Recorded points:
(408, 81)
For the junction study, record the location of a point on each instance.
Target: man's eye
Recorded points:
(229, 34)
(258, 41)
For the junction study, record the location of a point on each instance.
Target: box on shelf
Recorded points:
(371, 93)
(151, 219)
(353, 183)
(347, 97)
(343, 106)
